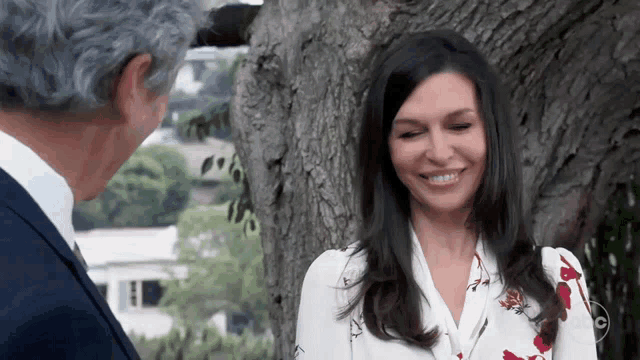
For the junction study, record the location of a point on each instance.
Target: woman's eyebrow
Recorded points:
(448, 116)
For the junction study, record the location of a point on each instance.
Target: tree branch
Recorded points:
(227, 26)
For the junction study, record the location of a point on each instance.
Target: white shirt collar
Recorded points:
(47, 188)
(462, 337)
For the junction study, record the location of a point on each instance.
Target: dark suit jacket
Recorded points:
(49, 308)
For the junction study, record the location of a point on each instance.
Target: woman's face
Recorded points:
(437, 143)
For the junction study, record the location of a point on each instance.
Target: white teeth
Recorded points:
(443, 178)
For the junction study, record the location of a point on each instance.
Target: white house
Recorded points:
(127, 265)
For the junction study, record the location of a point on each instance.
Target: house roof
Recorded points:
(102, 246)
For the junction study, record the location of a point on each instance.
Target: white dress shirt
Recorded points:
(490, 327)
(47, 188)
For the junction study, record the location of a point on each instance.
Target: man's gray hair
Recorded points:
(64, 55)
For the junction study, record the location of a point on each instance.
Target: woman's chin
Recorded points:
(441, 206)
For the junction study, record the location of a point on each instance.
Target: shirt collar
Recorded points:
(48, 189)
(462, 338)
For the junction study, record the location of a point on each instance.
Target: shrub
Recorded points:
(207, 344)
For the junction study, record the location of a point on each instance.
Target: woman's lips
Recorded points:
(443, 180)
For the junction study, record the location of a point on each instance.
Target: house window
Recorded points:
(133, 293)
(151, 293)
(143, 294)
(102, 288)
(238, 321)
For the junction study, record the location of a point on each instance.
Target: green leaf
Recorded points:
(201, 131)
(207, 165)
(230, 210)
(188, 121)
(218, 115)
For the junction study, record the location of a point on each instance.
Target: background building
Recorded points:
(127, 265)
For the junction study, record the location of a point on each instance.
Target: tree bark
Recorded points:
(573, 69)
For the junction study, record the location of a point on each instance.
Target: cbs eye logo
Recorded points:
(599, 323)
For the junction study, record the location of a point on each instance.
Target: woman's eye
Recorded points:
(409, 135)
(460, 126)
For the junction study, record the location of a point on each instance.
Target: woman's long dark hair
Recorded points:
(388, 288)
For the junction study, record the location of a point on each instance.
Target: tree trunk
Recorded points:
(573, 68)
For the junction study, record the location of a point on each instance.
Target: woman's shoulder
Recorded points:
(559, 260)
(334, 264)
(567, 274)
(575, 332)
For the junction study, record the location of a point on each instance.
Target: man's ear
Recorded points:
(160, 106)
(130, 94)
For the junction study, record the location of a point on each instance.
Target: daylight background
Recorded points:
(178, 243)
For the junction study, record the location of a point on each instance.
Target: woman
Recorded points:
(445, 267)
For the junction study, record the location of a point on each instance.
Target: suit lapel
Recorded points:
(16, 198)
(78, 254)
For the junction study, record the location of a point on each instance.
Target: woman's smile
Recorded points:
(443, 182)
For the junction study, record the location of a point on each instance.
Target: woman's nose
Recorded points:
(440, 149)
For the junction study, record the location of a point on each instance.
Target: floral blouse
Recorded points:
(490, 326)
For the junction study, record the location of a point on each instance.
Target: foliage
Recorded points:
(240, 210)
(217, 83)
(179, 188)
(233, 279)
(150, 189)
(196, 125)
(612, 264)
(233, 68)
(206, 345)
(227, 191)
(167, 121)
(88, 215)
(225, 270)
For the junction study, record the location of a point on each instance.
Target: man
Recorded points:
(82, 84)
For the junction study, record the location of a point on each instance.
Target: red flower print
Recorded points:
(483, 271)
(514, 298)
(543, 340)
(508, 355)
(564, 291)
(575, 273)
(540, 344)
(460, 356)
(475, 284)
(571, 273)
(568, 274)
(479, 260)
(515, 301)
